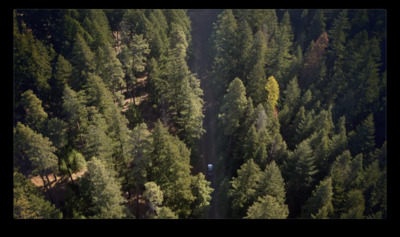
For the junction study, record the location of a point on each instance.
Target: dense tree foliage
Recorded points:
(107, 103)
(74, 72)
(317, 78)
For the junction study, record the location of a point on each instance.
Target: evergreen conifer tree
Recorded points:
(105, 190)
(267, 208)
(319, 205)
(233, 106)
(244, 187)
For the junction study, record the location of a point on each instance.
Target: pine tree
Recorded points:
(303, 125)
(74, 106)
(292, 94)
(338, 34)
(140, 160)
(36, 117)
(279, 63)
(32, 67)
(256, 81)
(267, 208)
(166, 213)
(319, 205)
(105, 192)
(170, 169)
(346, 173)
(250, 144)
(272, 184)
(256, 78)
(56, 131)
(224, 37)
(74, 162)
(354, 205)
(339, 141)
(314, 63)
(244, 38)
(29, 203)
(32, 146)
(156, 30)
(154, 196)
(317, 25)
(362, 140)
(374, 184)
(61, 76)
(65, 32)
(82, 60)
(233, 106)
(98, 143)
(272, 88)
(320, 144)
(202, 192)
(299, 171)
(244, 187)
(120, 134)
(99, 96)
(336, 54)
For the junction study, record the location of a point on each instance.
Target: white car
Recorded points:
(210, 169)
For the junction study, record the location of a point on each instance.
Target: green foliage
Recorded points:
(319, 205)
(154, 197)
(281, 55)
(244, 53)
(82, 59)
(299, 171)
(202, 192)
(233, 106)
(98, 144)
(56, 131)
(346, 173)
(166, 213)
(29, 203)
(272, 184)
(37, 149)
(105, 191)
(61, 76)
(362, 140)
(267, 208)
(139, 157)
(169, 167)
(76, 162)
(256, 83)
(272, 88)
(355, 205)
(224, 35)
(74, 107)
(244, 187)
(36, 117)
(32, 67)
(329, 68)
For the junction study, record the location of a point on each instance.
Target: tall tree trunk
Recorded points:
(44, 182)
(70, 175)
(47, 189)
(48, 180)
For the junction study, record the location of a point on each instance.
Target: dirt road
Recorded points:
(202, 21)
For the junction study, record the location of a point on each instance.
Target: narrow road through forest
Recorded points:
(202, 23)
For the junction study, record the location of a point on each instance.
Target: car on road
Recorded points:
(210, 169)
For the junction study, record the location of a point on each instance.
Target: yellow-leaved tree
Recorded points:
(273, 90)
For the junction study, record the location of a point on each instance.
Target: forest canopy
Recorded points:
(115, 110)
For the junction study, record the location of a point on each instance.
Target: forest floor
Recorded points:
(202, 22)
(58, 186)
